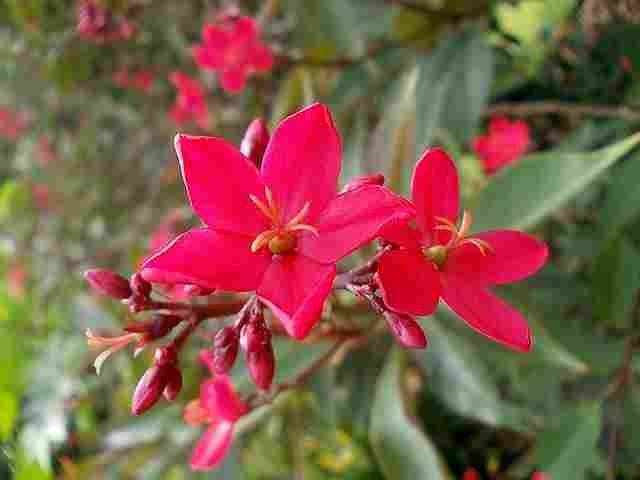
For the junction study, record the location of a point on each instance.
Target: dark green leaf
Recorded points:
(622, 205)
(403, 451)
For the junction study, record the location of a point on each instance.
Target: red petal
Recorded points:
(212, 446)
(219, 398)
(410, 283)
(302, 161)
(219, 181)
(402, 233)
(260, 58)
(246, 29)
(210, 259)
(295, 288)
(434, 191)
(215, 37)
(488, 315)
(233, 80)
(513, 256)
(350, 221)
(208, 58)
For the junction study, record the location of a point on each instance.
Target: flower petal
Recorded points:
(435, 192)
(219, 181)
(351, 220)
(260, 58)
(512, 256)
(409, 282)
(210, 259)
(215, 37)
(207, 57)
(302, 162)
(402, 232)
(212, 446)
(233, 80)
(488, 315)
(295, 288)
(220, 399)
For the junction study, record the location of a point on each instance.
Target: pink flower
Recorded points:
(232, 48)
(40, 195)
(97, 23)
(190, 103)
(471, 474)
(437, 260)
(540, 476)
(13, 124)
(505, 143)
(280, 230)
(220, 407)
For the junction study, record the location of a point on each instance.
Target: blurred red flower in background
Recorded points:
(505, 142)
(191, 101)
(233, 50)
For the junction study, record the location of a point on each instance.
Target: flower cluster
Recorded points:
(505, 142)
(275, 227)
(232, 48)
(99, 24)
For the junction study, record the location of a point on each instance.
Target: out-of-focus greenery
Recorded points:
(398, 75)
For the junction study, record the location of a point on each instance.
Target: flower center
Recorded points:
(282, 237)
(459, 236)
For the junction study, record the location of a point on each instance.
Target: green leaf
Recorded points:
(525, 193)
(459, 378)
(8, 414)
(453, 87)
(566, 447)
(295, 91)
(26, 470)
(622, 204)
(403, 451)
(615, 281)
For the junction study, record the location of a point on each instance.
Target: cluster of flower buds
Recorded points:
(98, 23)
(249, 332)
(163, 378)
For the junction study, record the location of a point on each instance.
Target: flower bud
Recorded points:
(224, 358)
(108, 283)
(174, 383)
(149, 389)
(254, 336)
(406, 330)
(225, 337)
(255, 141)
(357, 182)
(165, 356)
(262, 364)
(140, 286)
(196, 291)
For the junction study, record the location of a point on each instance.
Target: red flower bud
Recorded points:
(196, 291)
(140, 286)
(224, 358)
(375, 179)
(149, 389)
(262, 364)
(254, 336)
(165, 356)
(255, 141)
(108, 283)
(406, 330)
(174, 383)
(225, 337)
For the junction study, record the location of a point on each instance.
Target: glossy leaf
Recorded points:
(549, 180)
(622, 204)
(567, 447)
(403, 451)
(453, 87)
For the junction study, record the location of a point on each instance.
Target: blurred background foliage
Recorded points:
(92, 174)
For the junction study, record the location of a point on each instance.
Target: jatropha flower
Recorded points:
(506, 142)
(232, 48)
(220, 407)
(278, 231)
(438, 259)
(191, 101)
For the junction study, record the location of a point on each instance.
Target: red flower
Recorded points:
(97, 23)
(438, 260)
(540, 476)
(13, 124)
(190, 103)
(471, 474)
(279, 230)
(505, 143)
(232, 48)
(220, 407)
(46, 153)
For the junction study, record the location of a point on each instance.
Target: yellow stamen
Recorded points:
(262, 240)
(307, 228)
(300, 216)
(263, 208)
